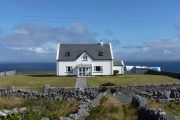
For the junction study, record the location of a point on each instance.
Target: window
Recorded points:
(67, 54)
(100, 53)
(98, 68)
(69, 69)
(85, 57)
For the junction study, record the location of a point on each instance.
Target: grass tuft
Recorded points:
(111, 109)
(170, 108)
(11, 102)
(49, 108)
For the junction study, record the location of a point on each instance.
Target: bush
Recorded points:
(108, 84)
(115, 72)
(30, 115)
(11, 117)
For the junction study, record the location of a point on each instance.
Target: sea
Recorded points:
(169, 66)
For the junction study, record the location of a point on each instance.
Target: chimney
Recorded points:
(101, 43)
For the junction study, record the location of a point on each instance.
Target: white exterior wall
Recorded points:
(107, 66)
(119, 68)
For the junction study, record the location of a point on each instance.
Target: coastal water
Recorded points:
(28, 67)
(171, 66)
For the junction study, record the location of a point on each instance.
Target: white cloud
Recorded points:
(31, 39)
(38, 42)
(162, 49)
(167, 52)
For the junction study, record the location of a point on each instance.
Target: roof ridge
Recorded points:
(80, 44)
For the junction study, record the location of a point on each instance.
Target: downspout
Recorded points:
(112, 57)
(57, 58)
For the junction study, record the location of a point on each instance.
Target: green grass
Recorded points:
(111, 109)
(131, 80)
(48, 108)
(11, 102)
(36, 81)
(170, 108)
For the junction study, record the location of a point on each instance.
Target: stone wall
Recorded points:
(53, 93)
(170, 92)
(91, 97)
(147, 113)
(165, 93)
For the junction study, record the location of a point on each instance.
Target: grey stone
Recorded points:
(73, 116)
(3, 114)
(14, 111)
(7, 111)
(23, 109)
(44, 118)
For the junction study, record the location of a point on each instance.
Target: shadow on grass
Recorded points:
(47, 75)
(169, 74)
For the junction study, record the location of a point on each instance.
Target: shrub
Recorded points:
(11, 117)
(115, 72)
(30, 115)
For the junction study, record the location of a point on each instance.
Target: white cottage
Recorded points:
(87, 60)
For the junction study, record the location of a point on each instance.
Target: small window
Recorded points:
(69, 69)
(98, 68)
(67, 54)
(85, 57)
(100, 53)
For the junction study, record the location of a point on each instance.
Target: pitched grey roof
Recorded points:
(118, 63)
(91, 49)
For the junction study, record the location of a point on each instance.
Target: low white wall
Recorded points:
(7, 73)
(119, 68)
(2, 74)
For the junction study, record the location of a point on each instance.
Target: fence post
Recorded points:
(46, 89)
(10, 89)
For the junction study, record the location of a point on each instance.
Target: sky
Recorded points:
(139, 30)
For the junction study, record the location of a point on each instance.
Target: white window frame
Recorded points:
(69, 69)
(95, 68)
(85, 57)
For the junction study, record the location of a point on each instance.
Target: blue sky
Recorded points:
(138, 29)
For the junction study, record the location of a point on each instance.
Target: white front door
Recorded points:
(84, 71)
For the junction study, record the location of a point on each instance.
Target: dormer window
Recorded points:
(100, 53)
(85, 57)
(67, 54)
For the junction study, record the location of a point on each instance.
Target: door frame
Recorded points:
(82, 71)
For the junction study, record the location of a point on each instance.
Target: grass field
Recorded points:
(36, 81)
(48, 108)
(131, 80)
(111, 109)
(170, 108)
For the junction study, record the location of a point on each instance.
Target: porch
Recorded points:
(84, 70)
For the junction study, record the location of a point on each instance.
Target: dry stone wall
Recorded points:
(147, 113)
(165, 93)
(91, 97)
